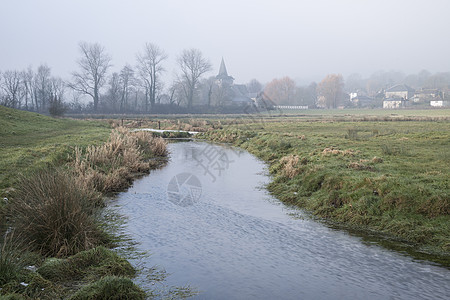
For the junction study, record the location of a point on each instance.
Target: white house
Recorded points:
(394, 103)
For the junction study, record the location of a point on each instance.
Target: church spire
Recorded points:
(223, 70)
(223, 77)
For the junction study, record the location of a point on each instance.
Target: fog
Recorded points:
(258, 39)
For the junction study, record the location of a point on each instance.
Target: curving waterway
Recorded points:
(208, 221)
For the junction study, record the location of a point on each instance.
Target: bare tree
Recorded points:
(56, 106)
(254, 86)
(27, 79)
(150, 68)
(94, 64)
(113, 95)
(42, 87)
(193, 65)
(13, 88)
(126, 81)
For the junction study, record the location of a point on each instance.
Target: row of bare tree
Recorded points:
(31, 89)
(132, 89)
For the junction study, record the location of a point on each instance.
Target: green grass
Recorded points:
(30, 141)
(387, 177)
(86, 265)
(110, 288)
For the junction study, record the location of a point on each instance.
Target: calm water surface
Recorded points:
(237, 242)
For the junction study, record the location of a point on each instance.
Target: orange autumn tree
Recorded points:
(331, 91)
(282, 91)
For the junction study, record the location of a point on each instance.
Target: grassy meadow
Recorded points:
(30, 141)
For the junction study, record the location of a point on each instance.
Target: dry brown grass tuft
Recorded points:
(291, 166)
(150, 145)
(109, 168)
(54, 215)
(359, 166)
(331, 151)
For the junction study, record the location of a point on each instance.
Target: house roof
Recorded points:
(400, 88)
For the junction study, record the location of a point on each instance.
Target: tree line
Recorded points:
(333, 90)
(138, 88)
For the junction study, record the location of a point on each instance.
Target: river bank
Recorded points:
(388, 179)
(56, 173)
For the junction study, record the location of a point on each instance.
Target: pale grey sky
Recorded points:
(261, 39)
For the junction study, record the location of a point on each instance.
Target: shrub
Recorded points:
(54, 215)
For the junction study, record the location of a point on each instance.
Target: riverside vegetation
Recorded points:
(55, 174)
(383, 176)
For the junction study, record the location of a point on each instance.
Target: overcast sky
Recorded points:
(262, 39)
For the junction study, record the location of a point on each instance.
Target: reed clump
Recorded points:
(54, 215)
(110, 167)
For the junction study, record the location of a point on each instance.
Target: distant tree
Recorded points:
(311, 99)
(56, 106)
(282, 91)
(307, 95)
(193, 65)
(330, 90)
(254, 86)
(150, 68)
(12, 87)
(126, 81)
(438, 81)
(381, 80)
(27, 79)
(112, 100)
(177, 93)
(42, 87)
(207, 89)
(94, 64)
(355, 83)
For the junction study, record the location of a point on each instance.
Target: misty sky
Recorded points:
(261, 39)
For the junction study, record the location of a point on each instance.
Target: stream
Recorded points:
(208, 221)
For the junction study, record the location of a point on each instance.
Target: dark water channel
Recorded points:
(208, 221)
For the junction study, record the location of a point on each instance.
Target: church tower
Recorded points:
(223, 79)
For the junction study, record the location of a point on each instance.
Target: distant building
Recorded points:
(399, 91)
(361, 100)
(439, 103)
(394, 103)
(227, 92)
(223, 79)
